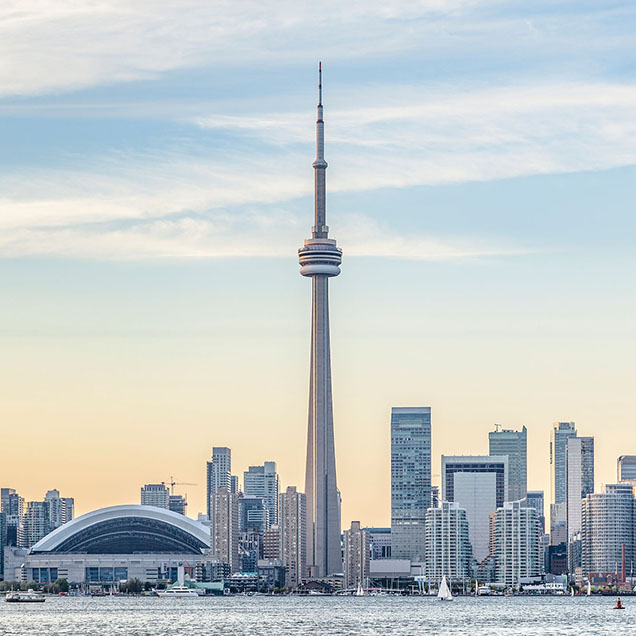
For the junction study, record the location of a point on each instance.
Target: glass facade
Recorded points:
(44, 575)
(410, 481)
(106, 574)
(479, 484)
(513, 444)
(626, 468)
(262, 482)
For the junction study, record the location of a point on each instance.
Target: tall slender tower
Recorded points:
(320, 259)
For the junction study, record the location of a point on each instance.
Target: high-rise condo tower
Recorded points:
(320, 259)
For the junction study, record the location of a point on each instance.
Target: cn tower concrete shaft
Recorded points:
(320, 259)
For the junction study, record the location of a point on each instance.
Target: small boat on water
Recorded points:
(178, 591)
(619, 604)
(30, 596)
(359, 591)
(444, 593)
(589, 588)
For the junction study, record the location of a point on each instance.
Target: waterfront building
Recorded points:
(535, 499)
(518, 552)
(219, 474)
(356, 556)
(112, 544)
(380, 543)
(320, 260)
(262, 481)
(561, 432)
(514, 444)
(448, 548)
(479, 484)
(271, 544)
(157, 495)
(410, 480)
(626, 468)
(253, 514)
(293, 535)
(579, 453)
(178, 504)
(224, 528)
(608, 526)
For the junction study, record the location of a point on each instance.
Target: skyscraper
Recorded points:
(608, 525)
(626, 468)
(535, 499)
(561, 431)
(356, 556)
(478, 484)
(4, 498)
(13, 506)
(410, 480)
(579, 455)
(518, 552)
(218, 474)
(156, 495)
(448, 549)
(61, 509)
(293, 535)
(36, 522)
(514, 444)
(320, 259)
(262, 481)
(253, 514)
(177, 503)
(224, 528)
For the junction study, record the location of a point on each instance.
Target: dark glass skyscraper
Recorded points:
(410, 481)
(514, 444)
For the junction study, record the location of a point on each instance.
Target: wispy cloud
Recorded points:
(170, 205)
(63, 45)
(141, 202)
(52, 45)
(246, 234)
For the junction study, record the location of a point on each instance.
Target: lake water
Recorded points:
(282, 616)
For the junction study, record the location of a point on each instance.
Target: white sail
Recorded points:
(589, 588)
(444, 593)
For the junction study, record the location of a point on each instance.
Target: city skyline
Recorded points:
(152, 207)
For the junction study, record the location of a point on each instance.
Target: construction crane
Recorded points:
(172, 483)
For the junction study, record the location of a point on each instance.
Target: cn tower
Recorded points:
(320, 259)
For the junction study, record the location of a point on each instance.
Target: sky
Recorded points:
(156, 182)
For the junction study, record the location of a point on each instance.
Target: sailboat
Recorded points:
(572, 591)
(444, 593)
(589, 588)
(359, 591)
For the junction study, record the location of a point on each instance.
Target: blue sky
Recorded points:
(155, 183)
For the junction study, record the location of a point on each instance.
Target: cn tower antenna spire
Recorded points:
(320, 229)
